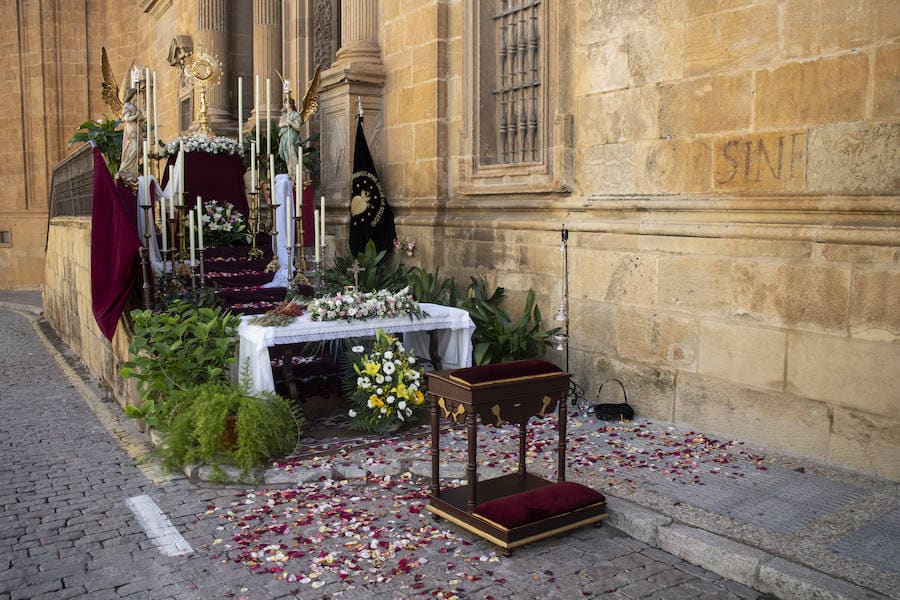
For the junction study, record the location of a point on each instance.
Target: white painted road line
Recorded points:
(158, 527)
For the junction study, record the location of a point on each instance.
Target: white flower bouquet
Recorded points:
(389, 385)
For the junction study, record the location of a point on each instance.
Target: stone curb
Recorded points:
(750, 566)
(34, 310)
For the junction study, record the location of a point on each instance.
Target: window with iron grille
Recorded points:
(518, 81)
(518, 122)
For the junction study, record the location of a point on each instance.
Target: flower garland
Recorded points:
(365, 305)
(204, 144)
(389, 385)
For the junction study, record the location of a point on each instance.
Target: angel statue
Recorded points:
(119, 100)
(291, 121)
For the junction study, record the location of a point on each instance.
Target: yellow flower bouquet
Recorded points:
(386, 385)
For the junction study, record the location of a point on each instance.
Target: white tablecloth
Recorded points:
(454, 327)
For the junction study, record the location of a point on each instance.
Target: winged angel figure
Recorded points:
(291, 121)
(119, 99)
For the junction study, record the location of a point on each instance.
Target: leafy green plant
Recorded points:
(176, 349)
(381, 271)
(106, 135)
(497, 337)
(224, 423)
(428, 287)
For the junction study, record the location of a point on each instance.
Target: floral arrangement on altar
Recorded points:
(365, 305)
(204, 144)
(388, 385)
(223, 225)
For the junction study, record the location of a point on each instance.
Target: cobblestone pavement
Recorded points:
(66, 530)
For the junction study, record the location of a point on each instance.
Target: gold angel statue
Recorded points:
(291, 121)
(119, 100)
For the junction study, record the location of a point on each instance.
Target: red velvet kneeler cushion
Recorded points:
(516, 370)
(540, 503)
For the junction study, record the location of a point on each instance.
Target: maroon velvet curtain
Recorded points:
(217, 177)
(115, 246)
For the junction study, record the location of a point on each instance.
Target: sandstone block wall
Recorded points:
(735, 245)
(67, 306)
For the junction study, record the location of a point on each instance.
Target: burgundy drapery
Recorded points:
(115, 247)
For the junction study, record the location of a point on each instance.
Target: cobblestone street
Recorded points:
(67, 531)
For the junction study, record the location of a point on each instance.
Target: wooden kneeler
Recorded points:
(518, 508)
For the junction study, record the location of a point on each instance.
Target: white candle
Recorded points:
(240, 112)
(182, 158)
(162, 222)
(146, 160)
(256, 109)
(191, 234)
(147, 112)
(316, 230)
(172, 193)
(322, 219)
(300, 167)
(268, 116)
(155, 115)
(272, 177)
(252, 167)
(200, 222)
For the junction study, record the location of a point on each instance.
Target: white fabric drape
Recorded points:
(454, 325)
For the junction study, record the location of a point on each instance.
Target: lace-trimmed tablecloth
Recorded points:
(453, 325)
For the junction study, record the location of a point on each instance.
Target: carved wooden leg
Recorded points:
(435, 449)
(563, 415)
(471, 470)
(522, 445)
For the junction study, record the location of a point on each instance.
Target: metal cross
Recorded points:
(356, 270)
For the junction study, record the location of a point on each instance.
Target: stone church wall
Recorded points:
(734, 234)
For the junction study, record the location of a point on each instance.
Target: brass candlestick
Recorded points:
(254, 252)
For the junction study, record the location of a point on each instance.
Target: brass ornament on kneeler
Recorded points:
(454, 415)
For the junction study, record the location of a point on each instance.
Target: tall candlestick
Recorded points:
(316, 231)
(200, 222)
(191, 235)
(172, 186)
(252, 167)
(240, 112)
(268, 116)
(256, 109)
(155, 116)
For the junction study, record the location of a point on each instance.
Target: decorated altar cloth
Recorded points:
(453, 325)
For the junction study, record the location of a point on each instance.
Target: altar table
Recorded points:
(454, 330)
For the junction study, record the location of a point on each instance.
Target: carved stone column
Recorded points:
(267, 50)
(359, 32)
(357, 72)
(213, 34)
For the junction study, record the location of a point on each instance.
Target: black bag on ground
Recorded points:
(615, 411)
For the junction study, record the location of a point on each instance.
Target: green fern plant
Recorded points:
(226, 424)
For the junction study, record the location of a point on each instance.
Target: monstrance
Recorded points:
(204, 69)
